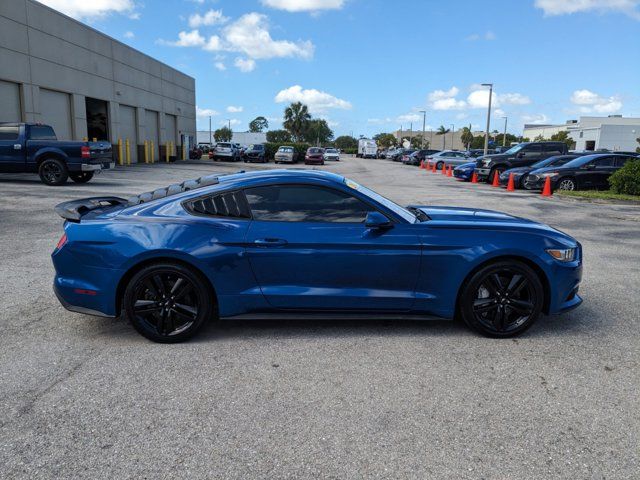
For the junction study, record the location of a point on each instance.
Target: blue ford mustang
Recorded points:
(282, 242)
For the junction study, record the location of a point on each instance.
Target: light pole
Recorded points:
(486, 133)
(209, 130)
(424, 123)
(410, 133)
(504, 136)
(453, 129)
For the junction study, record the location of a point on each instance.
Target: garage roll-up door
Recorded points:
(170, 128)
(9, 102)
(151, 125)
(55, 108)
(128, 130)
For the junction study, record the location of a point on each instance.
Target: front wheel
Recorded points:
(167, 303)
(502, 299)
(567, 184)
(439, 165)
(53, 172)
(81, 177)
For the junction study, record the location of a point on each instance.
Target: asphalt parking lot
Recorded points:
(86, 397)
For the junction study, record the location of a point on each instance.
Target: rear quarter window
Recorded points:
(41, 132)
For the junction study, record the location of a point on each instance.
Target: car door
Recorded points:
(12, 152)
(529, 155)
(604, 168)
(309, 249)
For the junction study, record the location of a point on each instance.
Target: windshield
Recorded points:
(331, 150)
(255, 147)
(285, 149)
(394, 207)
(315, 150)
(557, 161)
(515, 149)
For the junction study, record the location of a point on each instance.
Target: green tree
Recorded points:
(638, 148)
(385, 140)
(510, 139)
(416, 142)
(296, 120)
(317, 132)
(467, 137)
(563, 136)
(223, 134)
(345, 141)
(258, 124)
(278, 136)
(443, 131)
(539, 138)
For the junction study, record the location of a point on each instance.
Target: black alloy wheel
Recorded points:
(567, 184)
(502, 299)
(81, 177)
(167, 303)
(53, 172)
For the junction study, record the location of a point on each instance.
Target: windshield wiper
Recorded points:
(420, 215)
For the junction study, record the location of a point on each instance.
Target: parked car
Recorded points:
(582, 173)
(255, 153)
(465, 171)
(195, 153)
(331, 154)
(286, 242)
(520, 173)
(397, 154)
(34, 148)
(405, 155)
(521, 155)
(314, 156)
(225, 151)
(448, 157)
(286, 154)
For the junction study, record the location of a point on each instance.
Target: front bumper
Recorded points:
(462, 174)
(533, 182)
(483, 173)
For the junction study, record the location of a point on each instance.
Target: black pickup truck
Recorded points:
(34, 148)
(521, 155)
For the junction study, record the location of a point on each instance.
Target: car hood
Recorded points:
(493, 158)
(465, 166)
(517, 170)
(549, 169)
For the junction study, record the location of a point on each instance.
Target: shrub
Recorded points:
(350, 151)
(270, 149)
(627, 179)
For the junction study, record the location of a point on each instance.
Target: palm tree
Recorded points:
(443, 131)
(296, 120)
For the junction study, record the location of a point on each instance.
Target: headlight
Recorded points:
(550, 174)
(563, 255)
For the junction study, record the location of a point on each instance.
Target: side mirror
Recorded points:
(589, 166)
(377, 221)
(520, 155)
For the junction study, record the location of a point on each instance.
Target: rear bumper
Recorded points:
(78, 308)
(93, 167)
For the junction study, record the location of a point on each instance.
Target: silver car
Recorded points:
(285, 154)
(331, 154)
(447, 157)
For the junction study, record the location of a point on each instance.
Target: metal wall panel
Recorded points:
(55, 110)
(151, 127)
(9, 102)
(128, 130)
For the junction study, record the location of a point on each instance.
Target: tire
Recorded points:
(167, 302)
(502, 299)
(439, 165)
(81, 177)
(53, 172)
(567, 184)
(493, 171)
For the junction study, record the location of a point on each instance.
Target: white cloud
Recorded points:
(409, 117)
(232, 122)
(213, 44)
(212, 17)
(205, 112)
(316, 100)
(128, 34)
(445, 100)
(245, 64)
(82, 9)
(186, 39)
(479, 98)
(304, 5)
(536, 119)
(567, 7)
(234, 109)
(488, 35)
(250, 35)
(589, 101)
(220, 66)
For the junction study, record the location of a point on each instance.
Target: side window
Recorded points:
(9, 133)
(41, 132)
(304, 203)
(620, 161)
(553, 149)
(605, 162)
(227, 204)
(532, 150)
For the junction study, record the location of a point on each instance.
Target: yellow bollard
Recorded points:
(85, 139)
(184, 152)
(128, 151)
(146, 151)
(166, 151)
(120, 152)
(153, 152)
(95, 139)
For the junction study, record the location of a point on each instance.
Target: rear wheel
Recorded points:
(53, 172)
(167, 303)
(81, 177)
(567, 184)
(502, 299)
(439, 165)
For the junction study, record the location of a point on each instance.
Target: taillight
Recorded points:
(62, 241)
(85, 152)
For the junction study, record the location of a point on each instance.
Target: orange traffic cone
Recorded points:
(474, 178)
(496, 179)
(434, 170)
(444, 169)
(450, 171)
(546, 191)
(511, 186)
(421, 164)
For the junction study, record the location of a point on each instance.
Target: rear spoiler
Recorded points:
(75, 209)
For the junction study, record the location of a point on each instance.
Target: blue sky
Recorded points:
(369, 66)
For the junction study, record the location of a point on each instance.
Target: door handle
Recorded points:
(270, 242)
(17, 146)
